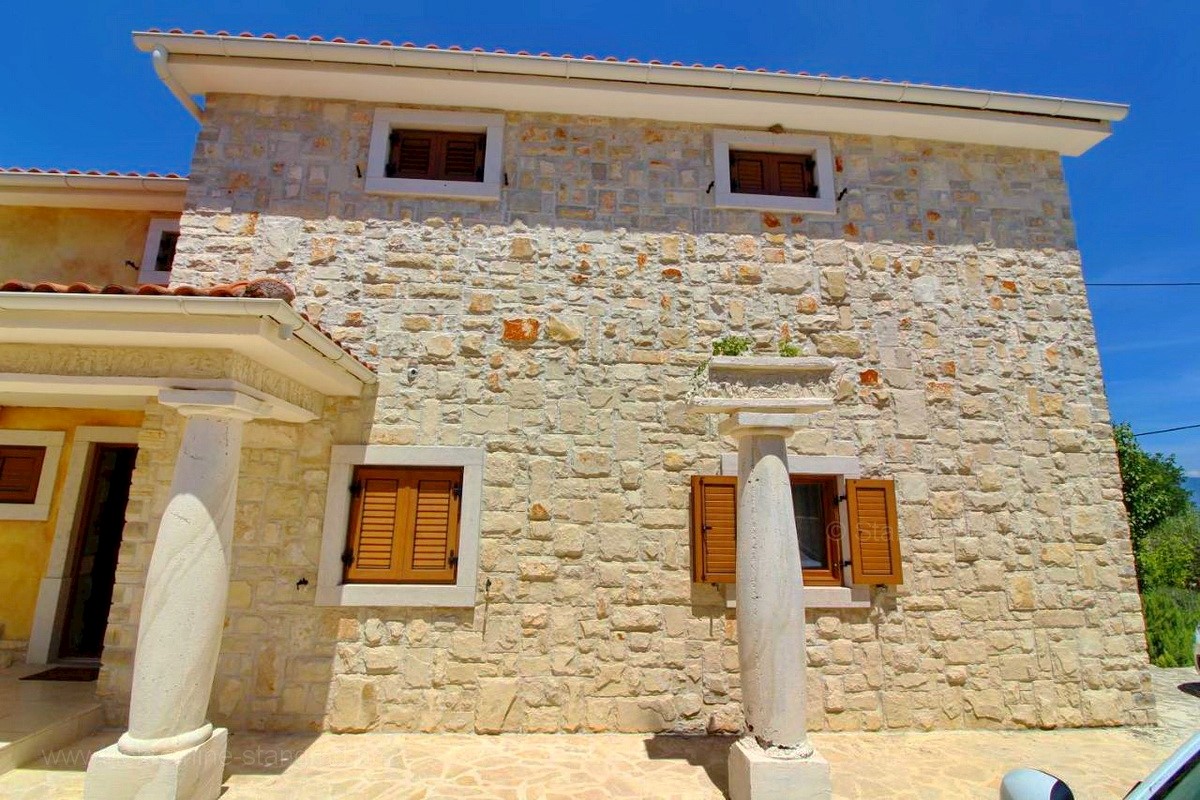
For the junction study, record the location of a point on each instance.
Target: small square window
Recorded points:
(773, 172)
(403, 525)
(20, 473)
(436, 153)
(28, 464)
(159, 254)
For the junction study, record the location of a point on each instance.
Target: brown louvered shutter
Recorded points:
(433, 554)
(20, 472)
(377, 514)
(874, 534)
(411, 155)
(463, 157)
(403, 525)
(748, 173)
(779, 174)
(794, 176)
(436, 155)
(714, 528)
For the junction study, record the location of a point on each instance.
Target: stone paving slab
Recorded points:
(1098, 763)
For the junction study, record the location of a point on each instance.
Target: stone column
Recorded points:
(775, 760)
(170, 749)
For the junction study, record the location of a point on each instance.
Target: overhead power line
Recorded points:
(1169, 430)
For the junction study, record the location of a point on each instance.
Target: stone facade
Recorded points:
(561, 329)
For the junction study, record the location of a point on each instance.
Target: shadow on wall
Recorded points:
(709, 752)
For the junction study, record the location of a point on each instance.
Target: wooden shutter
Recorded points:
(436, 155)
(411, 154)
(433, 555)
(714, 528)
(794, 176)
(874, 534)
(377, 514)
(403, 525)
(462, 158)
(780, 174)
(748, 173)
(20, 473)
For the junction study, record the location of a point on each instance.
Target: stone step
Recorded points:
(69, 725)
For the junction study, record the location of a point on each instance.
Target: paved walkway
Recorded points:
(1098, 764)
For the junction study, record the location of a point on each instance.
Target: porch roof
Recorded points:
(251, 319)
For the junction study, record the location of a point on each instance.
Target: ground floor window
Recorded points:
(402, 526)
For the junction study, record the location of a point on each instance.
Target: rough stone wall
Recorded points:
(561, 328)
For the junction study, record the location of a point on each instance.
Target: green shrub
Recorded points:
(731, 345)
(1169, 554)
(1171, 619)
(788, 350)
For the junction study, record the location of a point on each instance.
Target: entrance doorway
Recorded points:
(93, 563)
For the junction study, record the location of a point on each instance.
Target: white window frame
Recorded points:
(817, 147)
(331, 591)
(390, 119)
(843, 467)
(147, 273)
(39, 509)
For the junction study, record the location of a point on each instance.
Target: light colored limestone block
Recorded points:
(754, 775)
(194, 773)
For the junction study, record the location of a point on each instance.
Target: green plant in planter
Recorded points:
(731, 345)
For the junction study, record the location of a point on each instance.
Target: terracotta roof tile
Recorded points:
(259, 287)
(92, 172)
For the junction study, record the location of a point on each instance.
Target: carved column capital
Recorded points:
(219, 403)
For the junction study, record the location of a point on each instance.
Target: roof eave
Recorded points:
(189, 51)
(80, 190)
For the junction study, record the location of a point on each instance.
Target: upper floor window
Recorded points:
(781, 174)
(436, 153)
(20, 473)
(159, 254)
(773, 172)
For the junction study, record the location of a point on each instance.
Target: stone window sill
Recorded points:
(819, 597)
(394, 596)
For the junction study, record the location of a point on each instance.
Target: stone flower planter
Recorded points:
(795, 385)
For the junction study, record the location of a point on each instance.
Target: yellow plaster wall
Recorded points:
(65, 245)
(25, 545)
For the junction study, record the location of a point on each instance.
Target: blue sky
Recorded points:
(75, 93)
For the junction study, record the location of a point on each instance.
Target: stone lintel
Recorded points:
(222, 403)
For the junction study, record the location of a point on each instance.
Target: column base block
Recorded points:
(754, 775)
(192, 774)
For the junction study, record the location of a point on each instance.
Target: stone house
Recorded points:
(467, 480)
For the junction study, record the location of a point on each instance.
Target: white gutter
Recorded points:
(161, 60)
(81, 190)
(289, 320)
(653, 74)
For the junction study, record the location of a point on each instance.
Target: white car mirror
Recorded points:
(1032, 784)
